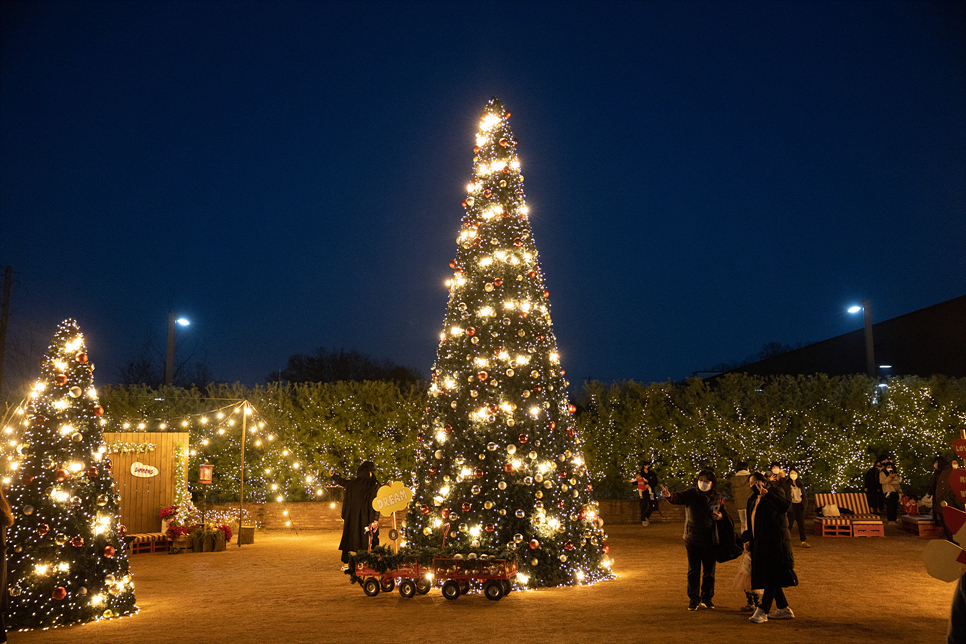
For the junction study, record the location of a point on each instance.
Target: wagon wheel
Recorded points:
(387, 584)
(493, 590)
(507, 586)
(370, 586)
(451, 590)
(464, 587)
(407, 588)
(423, 586)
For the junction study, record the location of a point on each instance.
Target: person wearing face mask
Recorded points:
(873, 489)
(703, 506)
(890, 480)
(770, 544)
(954, 464)
(796, 511)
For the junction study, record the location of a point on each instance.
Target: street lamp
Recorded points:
(866, 307)
(169, 363)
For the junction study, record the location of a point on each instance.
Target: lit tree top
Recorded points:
(500, 465)
(65, 557)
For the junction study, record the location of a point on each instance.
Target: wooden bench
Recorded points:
(148, 542)
(860, 524)
(921, 525)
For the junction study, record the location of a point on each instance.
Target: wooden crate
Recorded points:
(868, 530)
(921, 525)
(824, 529)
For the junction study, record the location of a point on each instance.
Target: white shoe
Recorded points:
(783, 613)
(758, 617)
(645, 523)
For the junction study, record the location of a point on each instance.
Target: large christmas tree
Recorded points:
(66, 563)
(500, 466)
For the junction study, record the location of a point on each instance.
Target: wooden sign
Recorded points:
(143, 471)
(392, 497)
(957, 481)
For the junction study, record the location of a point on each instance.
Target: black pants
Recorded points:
(776, 593)
(647, 506)
(700, 584)
(892, 506)
(796, 512)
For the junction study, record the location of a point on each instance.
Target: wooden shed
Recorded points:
(146, 474)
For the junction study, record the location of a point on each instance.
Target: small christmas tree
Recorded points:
(65, 559)
(500, 466)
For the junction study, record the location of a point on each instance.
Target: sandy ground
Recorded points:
(287, 588)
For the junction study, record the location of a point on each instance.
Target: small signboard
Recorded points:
(392, 497)
(143, 471)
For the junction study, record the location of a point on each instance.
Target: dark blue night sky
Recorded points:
(703, 177)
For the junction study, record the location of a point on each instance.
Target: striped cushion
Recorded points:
(149, 536)
(854, 501)
(833, 520)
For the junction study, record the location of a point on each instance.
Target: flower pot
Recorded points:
(219, 545)
(165, 524)
(209, 543)
(179, 544)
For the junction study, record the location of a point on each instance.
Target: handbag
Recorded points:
(727, 545)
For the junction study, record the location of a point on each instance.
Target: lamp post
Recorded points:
(169, 362)
(866, 307)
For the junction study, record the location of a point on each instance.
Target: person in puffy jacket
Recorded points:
(703, 506)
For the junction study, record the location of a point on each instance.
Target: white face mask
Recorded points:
(793, 475)
(704, 486)
(955, 466)
(775, 470)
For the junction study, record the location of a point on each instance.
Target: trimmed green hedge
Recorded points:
(827, 427)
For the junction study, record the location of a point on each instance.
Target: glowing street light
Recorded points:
(169, 362)
(866, 307)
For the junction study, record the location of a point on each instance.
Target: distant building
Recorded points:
(922, 343)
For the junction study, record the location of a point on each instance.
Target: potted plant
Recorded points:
(169, 517)
(180, 538)
(202, 538)
(222, 537)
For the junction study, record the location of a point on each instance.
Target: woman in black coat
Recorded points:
(770, 544)
(702, 508)
(358, 516)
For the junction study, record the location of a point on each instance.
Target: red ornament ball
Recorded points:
(523, 438)
(424, 509)
(467, 506)
(571, 432)
(498, 282)
(546, 294)
(60, 380)
(504, 142)
(109, 551)
(445, 513)
(506, 114)
(77, 542)
(553, 425)
(489, 527)
(98, 410)
(452, 263)
(478, 473)
(534, 544)
(108, 465)
(470, 330)
(531, 273)
(517, 242)
(476, 149)
(508, 468)
(59, 593)
(448, 429)
(572, 409)
(43, 529)
(121, 530)
(92, 472)
(26, 479)
(487, 193)
(605, 548)
(61, 475)
(81, 357)
(482, 375)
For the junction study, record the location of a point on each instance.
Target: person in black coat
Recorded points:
(703, 506)
(358, 516)
(770, 545)
(795, 493)
(873, 489)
